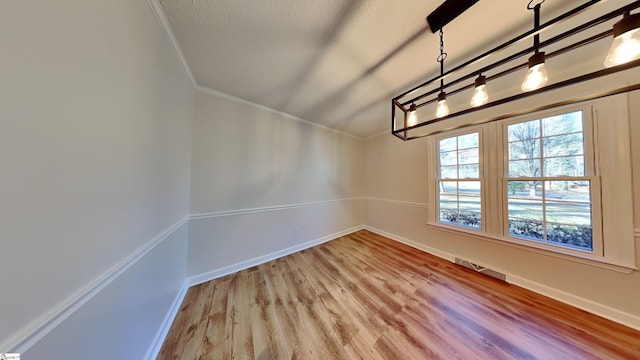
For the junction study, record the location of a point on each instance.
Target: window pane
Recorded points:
(531, 189)
(448, 144)
(562, 124)
(449, 187)
(468, 141)
(524, 130)
(527, 229)
(449, 158)
(470, 211)
(449, 172)
(523, 208)
(528, 168)
(448, 215)
(525, 217)
(564, 166)
(575, 191)
(570, 235)
(469, 188)
(468, 156)
(448, 201)
(469, 171)
(569, 213)
(580, 189)
(460, 201)
(563, 145)
(470, 203)
(527, 149)
(519, 188)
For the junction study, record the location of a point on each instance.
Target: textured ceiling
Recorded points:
(333, 62)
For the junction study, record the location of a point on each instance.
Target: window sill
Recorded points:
(585, 260)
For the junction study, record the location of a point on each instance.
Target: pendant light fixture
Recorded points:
(537, 74)
(480, 95)
(442, 109)
(626, 41)
(595, 27)
(412, 118)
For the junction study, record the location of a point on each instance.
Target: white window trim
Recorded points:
(434, 170)
(611, 173)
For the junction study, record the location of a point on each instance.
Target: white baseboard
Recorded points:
(214, 274)
(593, 307)
(37, 329)
(158, 340)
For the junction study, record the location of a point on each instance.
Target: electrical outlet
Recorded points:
(296, 230)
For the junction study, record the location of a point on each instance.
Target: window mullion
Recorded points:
(492, 177)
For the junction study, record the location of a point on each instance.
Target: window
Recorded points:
(549, 193)
(536, 182)
(459, 182)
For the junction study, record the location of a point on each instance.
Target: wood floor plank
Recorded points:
(282, 320)
(238, 341)
(363, 296)
(215, 313)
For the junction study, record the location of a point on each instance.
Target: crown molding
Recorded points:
(226, 96)
(158, 12)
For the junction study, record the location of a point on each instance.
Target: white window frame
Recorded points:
(608, 154)
(434, 148)
(591, 174)
(480, 178)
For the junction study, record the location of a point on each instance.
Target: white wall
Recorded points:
(96, 182)
(397, 171)
(126, 315)
(257, 175)
(95, 134)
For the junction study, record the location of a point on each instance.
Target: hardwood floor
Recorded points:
(363, 296)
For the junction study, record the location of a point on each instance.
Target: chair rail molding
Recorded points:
(37, 329)
(397, 202)
(216, 214)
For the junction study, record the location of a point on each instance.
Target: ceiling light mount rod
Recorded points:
(536, 23)
(441, 58)
(627, 29)
(442, 109)
(536, 75)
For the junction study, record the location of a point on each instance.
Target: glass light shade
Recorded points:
(442, 108)
(480, 96)
(625, 48)
(536, 78)
(412, 119)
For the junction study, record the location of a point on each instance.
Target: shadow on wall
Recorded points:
(262, 159)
